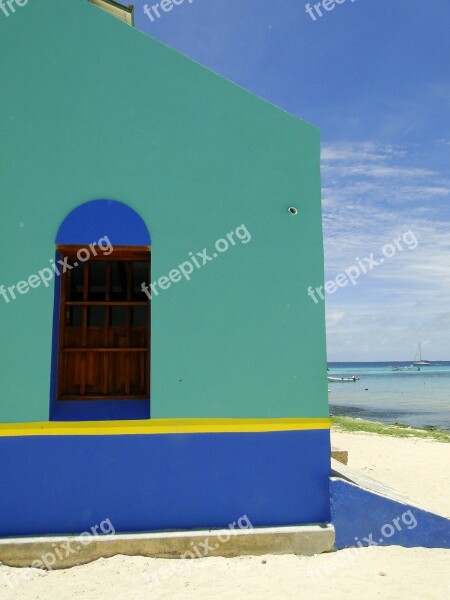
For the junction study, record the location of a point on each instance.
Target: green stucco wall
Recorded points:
(92, 108)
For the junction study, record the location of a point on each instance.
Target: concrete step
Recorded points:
(60, 552)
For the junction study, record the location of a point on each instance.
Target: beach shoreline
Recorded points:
(355, 424)
(417, 398)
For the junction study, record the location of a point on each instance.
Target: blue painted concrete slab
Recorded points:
(364, 518)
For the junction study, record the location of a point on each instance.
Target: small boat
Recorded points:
(408, 368)
(421, 362)
(342, 379)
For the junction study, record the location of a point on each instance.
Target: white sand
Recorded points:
(388, 573)
(416, 468)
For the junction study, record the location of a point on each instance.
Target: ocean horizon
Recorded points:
(416, 398)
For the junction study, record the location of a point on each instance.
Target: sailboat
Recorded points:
(421, 362)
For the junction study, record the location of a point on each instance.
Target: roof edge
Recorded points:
(116, 9)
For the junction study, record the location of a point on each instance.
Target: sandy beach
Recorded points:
(417, 468)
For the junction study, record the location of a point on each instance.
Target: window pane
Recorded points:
(96, 316)
(140, 316)
(77, 316)
(119, 281)
(76, 280)
(118, 316)
(97, 275)
(141, 274)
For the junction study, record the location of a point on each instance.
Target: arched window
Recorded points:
(102, 316)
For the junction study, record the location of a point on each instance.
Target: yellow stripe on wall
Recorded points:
(162, 426)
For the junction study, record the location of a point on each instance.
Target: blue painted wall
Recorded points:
(66, 484)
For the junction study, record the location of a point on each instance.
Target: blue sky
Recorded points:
(374, 75)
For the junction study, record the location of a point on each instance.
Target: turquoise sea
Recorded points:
(418, 398)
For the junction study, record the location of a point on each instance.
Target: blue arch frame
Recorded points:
(87, 224)
(98, 218)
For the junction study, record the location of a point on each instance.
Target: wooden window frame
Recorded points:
(125, 254)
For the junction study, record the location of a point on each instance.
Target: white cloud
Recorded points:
(335, 316)
(372, 195)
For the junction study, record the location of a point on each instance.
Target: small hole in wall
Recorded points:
(293, 210)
